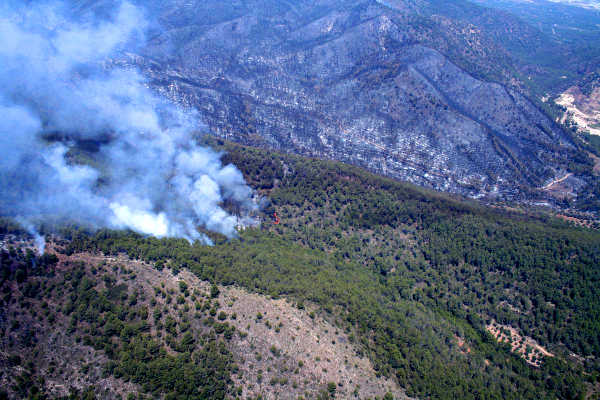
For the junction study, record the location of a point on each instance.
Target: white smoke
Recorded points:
(146, 174)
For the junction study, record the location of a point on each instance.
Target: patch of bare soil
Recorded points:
(281, 351)
(560, 187)
(558, 181)
(464, 348)
(35, 342)
(584, 110)
(526, 347)
(577, 221)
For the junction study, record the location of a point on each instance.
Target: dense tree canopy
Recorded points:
(407, 271)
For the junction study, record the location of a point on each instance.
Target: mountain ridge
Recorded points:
(364, 84)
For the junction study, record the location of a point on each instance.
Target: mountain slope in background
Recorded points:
(589, 4)
(400, 87)
(569, 54)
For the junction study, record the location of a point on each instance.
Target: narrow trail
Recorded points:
(554, 182)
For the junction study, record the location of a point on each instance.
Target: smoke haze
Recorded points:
(144, 171)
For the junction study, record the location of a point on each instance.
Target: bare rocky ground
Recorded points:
(282, 351)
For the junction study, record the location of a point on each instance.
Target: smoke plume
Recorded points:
(85, 142)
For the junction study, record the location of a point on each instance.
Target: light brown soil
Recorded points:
(577, 221)
(324, 350)
(584, 110)
(462, 345)
(525, 346)
(288, 353)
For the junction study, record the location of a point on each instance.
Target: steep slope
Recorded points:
(568, 52)
(385, 85)
(273, 349)
(417, 280)
(414, 281)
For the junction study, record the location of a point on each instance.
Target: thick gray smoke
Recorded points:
(143, 172)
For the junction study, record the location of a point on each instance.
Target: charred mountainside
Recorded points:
(403, 88)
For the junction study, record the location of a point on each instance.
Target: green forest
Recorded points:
(152, 350)
(406, 271)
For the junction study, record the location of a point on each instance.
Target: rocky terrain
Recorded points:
(403, 88)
